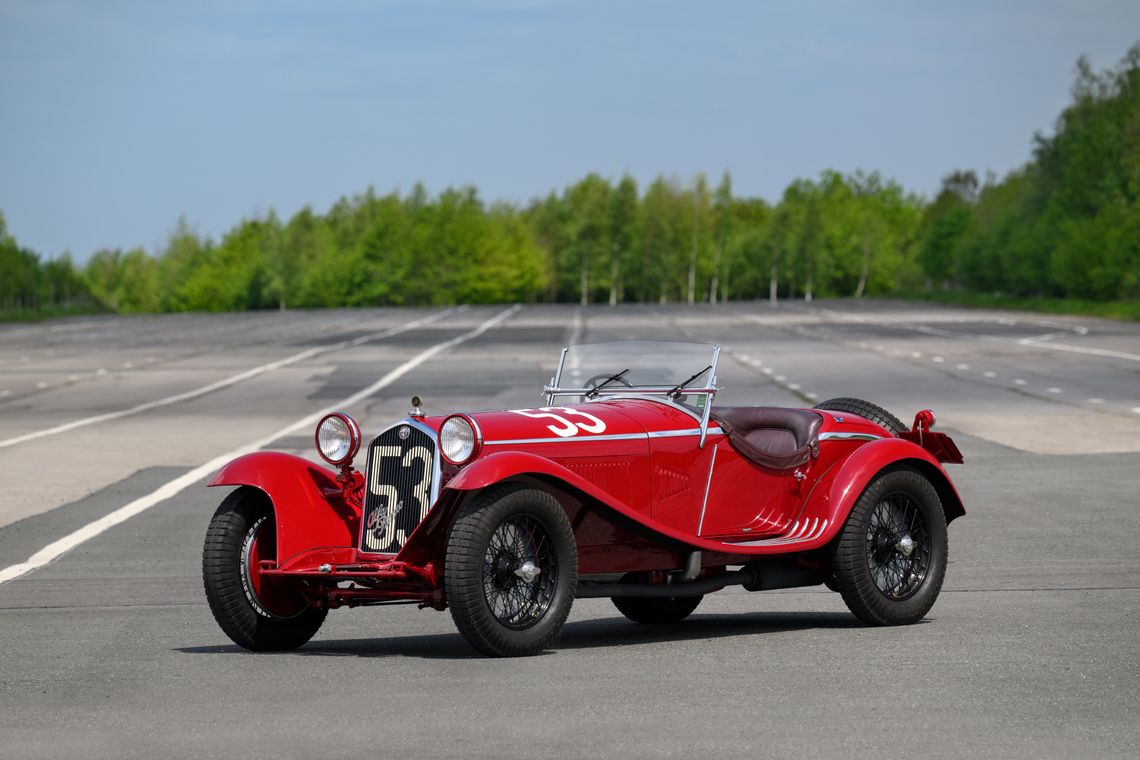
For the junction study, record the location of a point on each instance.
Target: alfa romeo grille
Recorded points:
(400, 487)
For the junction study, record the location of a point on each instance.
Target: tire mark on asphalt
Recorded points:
(179, 484)
(966, 378)
(224, 383)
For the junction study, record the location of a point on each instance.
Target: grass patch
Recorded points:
(1124, 310)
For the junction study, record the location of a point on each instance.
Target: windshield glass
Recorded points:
(646, 366)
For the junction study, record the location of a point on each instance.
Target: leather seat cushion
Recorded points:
(773, 440)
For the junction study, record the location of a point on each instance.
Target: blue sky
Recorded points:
(119, 117)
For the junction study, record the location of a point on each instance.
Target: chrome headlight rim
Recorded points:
(471, 443)
(352, 438)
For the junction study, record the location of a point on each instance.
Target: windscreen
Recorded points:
(645, 364)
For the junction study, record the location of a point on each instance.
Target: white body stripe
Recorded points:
(810, 530)
(849, 437)
(611, 437)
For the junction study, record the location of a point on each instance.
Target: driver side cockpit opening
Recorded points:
(772, 437)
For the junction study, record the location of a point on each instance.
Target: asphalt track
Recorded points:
(109, 651)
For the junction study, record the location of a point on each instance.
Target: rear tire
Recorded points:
(511, 570)
(890, 557)
(260, 614)
(865, 409)
(654, 610)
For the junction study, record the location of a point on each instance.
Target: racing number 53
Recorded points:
(391, 495)
(564, 427)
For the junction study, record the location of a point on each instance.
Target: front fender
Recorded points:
(308, 505)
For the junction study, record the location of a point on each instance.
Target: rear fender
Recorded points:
(308, 503)
(835, 494)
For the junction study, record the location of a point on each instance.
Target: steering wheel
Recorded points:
(594, 381)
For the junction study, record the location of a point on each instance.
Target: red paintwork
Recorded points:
(634, 497)
(274, 596)
(308, 501)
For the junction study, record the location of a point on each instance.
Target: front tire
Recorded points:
(259, 613)
(511, 571)
(890, 558)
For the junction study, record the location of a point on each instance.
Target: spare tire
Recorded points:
(866, 409)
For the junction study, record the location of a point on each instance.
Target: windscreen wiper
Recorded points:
(675, 391)
(593, 392)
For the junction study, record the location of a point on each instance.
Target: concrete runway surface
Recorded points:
(109, 649)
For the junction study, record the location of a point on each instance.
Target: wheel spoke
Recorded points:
(897, 575)
(518, 603)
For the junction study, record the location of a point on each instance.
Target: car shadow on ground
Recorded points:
(577, 635)
(617, 631)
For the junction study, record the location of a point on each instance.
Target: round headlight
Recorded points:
(457, 439)
(338, 438)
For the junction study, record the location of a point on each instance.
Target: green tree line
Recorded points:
(29, 286)
(1067, 224)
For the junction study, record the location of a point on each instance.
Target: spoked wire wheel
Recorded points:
(890, 557)
(519, 573)
(898, 546)
(511, 570)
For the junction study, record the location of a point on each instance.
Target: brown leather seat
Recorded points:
(771, 436)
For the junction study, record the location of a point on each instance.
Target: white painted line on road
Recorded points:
(1019, 381)
(128, 365)
(576, 331)
(1047, 336)
(225, 383)
(4, 394)
(1035, 341)
(916, 354)
(812, 396)
(937, 359)
(41, 385)
(1081, 350)
(101, 371)
(1053, 390)
(756, 362)
(988, 373)
(767, 370)
(1136, 409)
(963, 367)
(179, 484)
(780, 378)
(72, 378)
(1096, 401)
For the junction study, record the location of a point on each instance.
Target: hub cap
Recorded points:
(265, 595)
(898, 547)
(519, 573)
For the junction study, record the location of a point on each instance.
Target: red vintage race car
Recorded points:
(629, 484)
